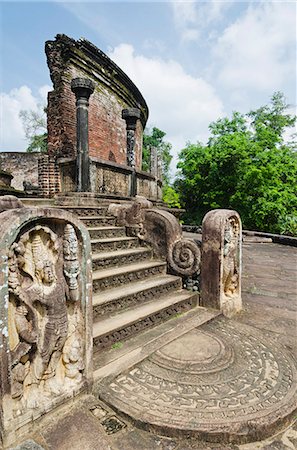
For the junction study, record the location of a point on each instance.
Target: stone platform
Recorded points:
(269, 299)
(223, 382)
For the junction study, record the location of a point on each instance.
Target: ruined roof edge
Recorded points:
(64, 48)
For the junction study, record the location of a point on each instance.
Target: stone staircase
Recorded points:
(131, 290)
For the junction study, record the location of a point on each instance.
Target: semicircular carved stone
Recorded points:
(221, 261)
(45, 312)
(162, 231)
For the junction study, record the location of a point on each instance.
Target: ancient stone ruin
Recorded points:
(102, 293)
(108, 121)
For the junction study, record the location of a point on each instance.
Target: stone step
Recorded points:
(93, 221)
(133, 294)
(113, 361)
(119, 276)
(106, 232)
(123, 325)
(120, 257)
(87, 211)
(112, 244)
(31, 202)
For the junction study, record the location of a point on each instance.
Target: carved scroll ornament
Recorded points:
(163, 232)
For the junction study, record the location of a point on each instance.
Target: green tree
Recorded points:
(34, 123)
(171, 196)
(246, 166)
(155, 139)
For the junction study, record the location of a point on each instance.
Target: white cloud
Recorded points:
(12, 136)
(154, 44)
(179, 104)
(191, 18)
(258, 50)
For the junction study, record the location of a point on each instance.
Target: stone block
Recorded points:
(221, 261)
(45, 314)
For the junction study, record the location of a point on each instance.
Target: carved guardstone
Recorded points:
(221, 261)
(45, 314)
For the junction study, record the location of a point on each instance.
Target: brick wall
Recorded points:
(48, 176)
(114, 91)
(22, 165)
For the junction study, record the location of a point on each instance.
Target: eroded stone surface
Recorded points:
(194, 347)
(45, 312)
(242, 384)
(28, 445)
(162, 231)
(221, 261)
(10, 202)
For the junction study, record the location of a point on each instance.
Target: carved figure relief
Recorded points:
(221, 261)
(130, 148)
(45, 318)
(230, 276)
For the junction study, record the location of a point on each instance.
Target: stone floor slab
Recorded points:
(77, 431)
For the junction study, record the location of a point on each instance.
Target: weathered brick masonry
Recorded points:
(22, 165)
(68, 59)
(48, 175)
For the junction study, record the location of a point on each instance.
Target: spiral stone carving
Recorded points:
(184, 257)
(162, 231)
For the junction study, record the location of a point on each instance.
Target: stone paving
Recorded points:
(269, 295)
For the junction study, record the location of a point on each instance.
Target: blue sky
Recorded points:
(193, 61)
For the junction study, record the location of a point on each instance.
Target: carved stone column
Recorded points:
(82, 88)
(131, 115)
(154, 162)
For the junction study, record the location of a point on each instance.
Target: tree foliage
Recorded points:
(155, 139)
(34, 123)
(246, 166)
(171, 196)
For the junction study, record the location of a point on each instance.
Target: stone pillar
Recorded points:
(82, 88)
(131, 115)
(154, 162)
(221, 261)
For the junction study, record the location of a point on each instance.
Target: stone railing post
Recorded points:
(82, 88)
(221, 261)
(154, 162)
(131, 115)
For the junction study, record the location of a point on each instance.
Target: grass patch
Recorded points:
(176, 316)
(117, 345)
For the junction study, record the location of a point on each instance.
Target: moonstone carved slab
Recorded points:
(45, 311)
(223, 381)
